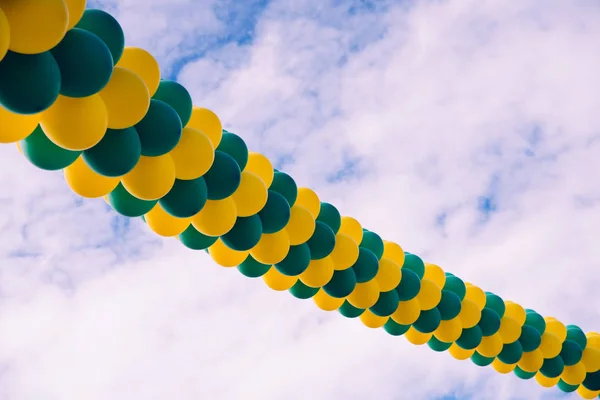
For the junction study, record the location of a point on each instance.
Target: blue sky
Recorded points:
(466, 131)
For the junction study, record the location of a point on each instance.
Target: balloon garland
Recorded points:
(74, 98)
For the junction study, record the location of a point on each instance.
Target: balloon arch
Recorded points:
(74, 98)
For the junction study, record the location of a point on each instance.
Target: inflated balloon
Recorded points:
(459, 353)
(164, 224)
(245, 234)
(490, 346)
(544, 381)
(330, 216)
(373, 242)
(251, 196)
(185, 199)
(44, 154)
(308, 199)
(553, 367)
(4, 34)
(318, 273)
(301, 227)
(510, 329)
(192, 239)
(575, 334)
(371, 320)
(495, 303)
(394, 328)
(517, 312)
(126, 98)
(565, 387)
(29, 84)
(386, 305)
(511, 353)
(437, 345)
(531, 361)
(106, 27)
(252, 268)
(143, 64)
(194, 155)
(224, 256)
(159, 130)
(554, 327)
(449, 331)
(586, 393)
(388, 275)
(223, 178)
(428, 321)
(342, 284)
(550, 345)
(394, 252)
(286, 186)
(435, 274)
(417, 338)
(128, 205)
(489, 322)
(430, 294)
(276, 213)
(175, 95)
(208, 123)
(272, 248)
(152, 177)
(536, 321)
(530, 338)
(571, 352)
(469, 314)
(449, 306)
(216, 218)
(415, 264)
(233, 145)
(277, 281)
(592, 381)
(502, 368)
(75, 123)
(116, 154)
(85, 182)
(366, 266)
(476, 295)
(303, 292)
(35, 26)
(296, 261)
(365, 295)
(480, 360)
(573, 374)
(407, 312)
(409, 286)
(522, 374)
(349, 311)
(590, 359)
(455, 285)
(325, 302)
(470, 338)
(322, 241)
(76, 9)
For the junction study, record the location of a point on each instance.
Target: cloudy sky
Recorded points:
(467, 131)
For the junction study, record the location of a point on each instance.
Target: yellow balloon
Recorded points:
(593, 340)
(417, 338)
(207, 122)
(152, 177)
(325, 302)
(261, 166)
(394, 252)
(126, 98)
(591, 359)
(430, 295)
(15, 127)
(272, 247)
(143, 64)
(585, 393)
(75, 9)
(510, 329)
(277, 281)
(352, 228)
(226, 257)
(557, 328)
(407, 312)
(216, 218)
(470, 313)
(550, 345)
(371, 320)
(308, 199)
(476, 295)
(449, 331)
(301, 225)
(364, 295)
(85, 182)
(490, 346)
(318, 273)
(4, 35)
(35, 26)
(459, 353)
(573, 374)
(389, 275)
(345, 253)
(435, 274)
(531, 361)
(194, 154)
(164, 224)
(75, 123)
(515, 311)
(251, 195)
(546, 382)
(502, 368)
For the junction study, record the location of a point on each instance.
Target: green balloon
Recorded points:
(415, 264)
(235, 146)
(245, 234)
(386, 304)
(553, 367)
(575, 334)
(470, 338)
(175, 95)
(437, 345)
(296, 261)
(565, 387)
(409, 286)
(223, 178)
(253, 269)
(511, 353)
(530, 338)
(394, 328)
(489, 322)
(286, 186)
(342, 283)
(159, 130)
(480, 360)
(193, 239)
(186, 198)
(456, 285)
(321, 242)
(29, 83)
(127, 204)
(373, 242)
(495, 302)
(44, 154)
(523, 374)
(349, 311)
(117, 153)
(107, 28)
(428, 321)
(85, 63)
(592, 381)
(535, 320)
(275, 214)
(366, 266)
(449, 306)
(301, 291)
(330, 215)
(571, 352)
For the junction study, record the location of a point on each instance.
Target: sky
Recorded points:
(467, 131)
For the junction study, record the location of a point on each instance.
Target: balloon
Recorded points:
(490, 346)
(388, 275)
(296, 261)
(495, 303)
(476, 295)
(276, 213)
(459, 353)
(223, 178)
(192, 239)
(185, 199)
(575, 334)
(226, 257)
(585, 393)
(387, 304)
(233, 145)
(373, 242)
(175, 95)
(428, 321)
(285, 185)
(366, 266)
(554, 327)
(470, 338)
(571, 352)
(407, 312)
(516, 312)
(325, 302)
(194, 155)
(75, 10)
(365, 295)
(252, 268)
(480, 360)
(75, 123)
(371, 320)
(565, 387)
(151, 178)
(553, 367)
(16, 127)
(455, 285)
(449, 330)
(489, 322)
(216, 218)
(511, 353)
(435, 274)
(349, 311)
(590, 359)
(208, 123)
(437, 345)
(164, 224)
(245, 234)
(394, 328)
(301, 227)
(86, 183)
(536, 321)
(409, 286)
(318, 273)
(530, 338)
(4, 34)
(272, 248)
(126, 98)
(430, 295)
(303, 292)
(29, 84)
(251, 196)
(510, 330)
(550, 345)
(308, 199)
(143, 64)
(116, 154)
(503, 368)
(159, 130)
(277, 281)
(322, 241)
(521, 374)
(260, 166)
(545, 381)
(531, 361)
(44, 154)
(573, 374)
(128, 205)
(106, 27)
(592, 381)
(449, 306)
(469, 314)
(415, 264)
(394, 252)
(342, 283)
(330, 216)
(35, 26)
(417, 338)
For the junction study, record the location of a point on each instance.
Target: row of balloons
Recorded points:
(74, 98)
